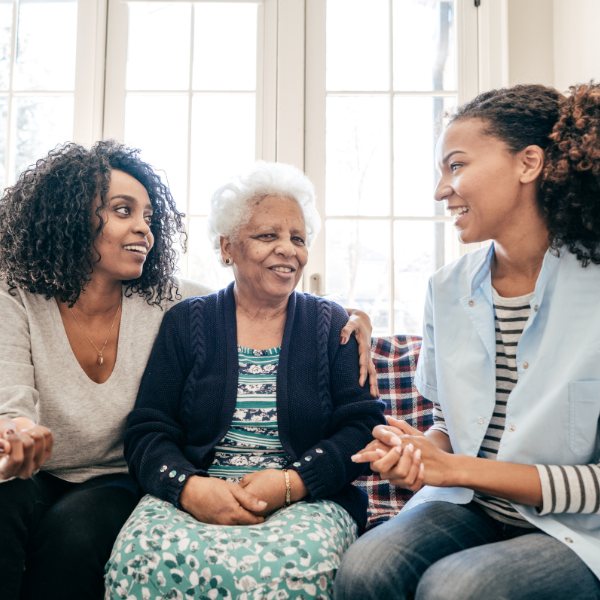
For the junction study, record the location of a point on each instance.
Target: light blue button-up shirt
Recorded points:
(552, 413)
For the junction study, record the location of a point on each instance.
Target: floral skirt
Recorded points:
(165, 553)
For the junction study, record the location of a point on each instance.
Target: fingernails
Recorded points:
(382, 452)
(2, 450)
(355, 457)
(398, 449)
(410, 447)
(10, 432)
(418, 453)
(343, 340)
(262, 503)
(394, 439)
(422, 467)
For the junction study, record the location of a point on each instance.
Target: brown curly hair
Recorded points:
(46, 235)
(567, 128)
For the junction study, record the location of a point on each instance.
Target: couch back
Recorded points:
(395, 360)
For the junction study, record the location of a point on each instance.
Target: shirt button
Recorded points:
(471, 302)
(536, 308)
(569, 540)
(480, 420)
(512, 428)
(172, 474)
(525, 365)
(319, 451)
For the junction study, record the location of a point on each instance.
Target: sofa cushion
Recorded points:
(395, 360)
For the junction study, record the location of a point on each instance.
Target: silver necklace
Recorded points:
(100, 359)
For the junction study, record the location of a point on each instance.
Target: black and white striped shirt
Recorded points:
(568, 489)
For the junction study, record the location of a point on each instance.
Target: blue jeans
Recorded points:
(444, 551)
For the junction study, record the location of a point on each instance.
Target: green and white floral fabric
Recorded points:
(164, 553)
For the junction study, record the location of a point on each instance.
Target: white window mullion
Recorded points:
(10, 134)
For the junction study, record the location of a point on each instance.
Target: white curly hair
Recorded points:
(231, 205)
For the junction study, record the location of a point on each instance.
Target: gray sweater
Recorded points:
(40, 378)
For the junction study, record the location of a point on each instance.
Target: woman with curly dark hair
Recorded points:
(87, 263)
(508, 477)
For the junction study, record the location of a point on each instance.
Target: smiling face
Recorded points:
(269, 253)
(489, 190)
(125, 239)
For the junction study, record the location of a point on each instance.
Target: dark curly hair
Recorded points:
(567, 128)
(46, 235)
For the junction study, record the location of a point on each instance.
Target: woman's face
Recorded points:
(270, 251)
(482, 182)
(125, 239)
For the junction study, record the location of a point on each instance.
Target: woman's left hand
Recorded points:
(268, 485)
(359, 323)
(398, 457)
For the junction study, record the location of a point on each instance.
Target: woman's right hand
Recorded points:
(212, 500)
(24, 448)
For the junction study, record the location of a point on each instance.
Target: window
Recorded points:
(347, 90)
(379, 77)
(192, 103)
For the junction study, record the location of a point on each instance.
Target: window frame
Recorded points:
(467, 67)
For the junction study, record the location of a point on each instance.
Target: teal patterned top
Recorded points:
(252, 442)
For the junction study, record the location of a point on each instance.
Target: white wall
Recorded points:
(530, 42)
(553, 42)
(576, 42)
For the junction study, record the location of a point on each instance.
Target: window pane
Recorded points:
(357, 267)
(158, 54)
(3, 128)
(163, 141)
(46, 43)
(420, 248)
(358, 45)
(424, 45)
(225, 46)
(39, 123)
(5, 28)
(203, 263)
(415, 175)
(223, 143)
(357, 156)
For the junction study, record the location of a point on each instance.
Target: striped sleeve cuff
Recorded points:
(570, 489)
(439, 423)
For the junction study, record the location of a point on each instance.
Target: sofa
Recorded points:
(395, 359)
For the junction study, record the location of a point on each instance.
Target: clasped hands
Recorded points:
(406, 457)
(24, 447)
(257, 495)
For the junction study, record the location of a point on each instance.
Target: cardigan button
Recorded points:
(308, 458)
(471, 302)
(163, 468)
(297, 464)
(181, 478)
(319, 451)
(172, 474)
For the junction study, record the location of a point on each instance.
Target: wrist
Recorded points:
(189, 491)
(458, 473)
(298, 489)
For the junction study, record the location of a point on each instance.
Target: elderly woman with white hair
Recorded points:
(246, 420)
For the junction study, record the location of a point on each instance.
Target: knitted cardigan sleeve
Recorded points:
(155, 436)
(350, 413)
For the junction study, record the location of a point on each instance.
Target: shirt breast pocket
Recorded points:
(584, 410)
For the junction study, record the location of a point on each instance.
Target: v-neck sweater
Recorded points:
(40, 378)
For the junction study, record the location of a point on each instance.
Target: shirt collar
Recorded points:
(482, 268)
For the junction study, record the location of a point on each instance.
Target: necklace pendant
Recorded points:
(100, 359)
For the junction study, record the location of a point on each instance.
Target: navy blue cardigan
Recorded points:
(188, 393)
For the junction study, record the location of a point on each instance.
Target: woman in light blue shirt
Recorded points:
(508, 502)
